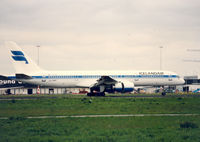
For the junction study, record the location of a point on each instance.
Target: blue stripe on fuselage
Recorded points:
(12, 77)
(98, 76)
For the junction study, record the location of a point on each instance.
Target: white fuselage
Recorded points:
(86, 79)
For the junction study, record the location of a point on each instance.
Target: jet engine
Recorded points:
(123, 87)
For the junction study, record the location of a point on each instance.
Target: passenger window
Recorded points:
(137, 79)
(170, 79)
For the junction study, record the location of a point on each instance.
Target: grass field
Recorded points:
(148, 128)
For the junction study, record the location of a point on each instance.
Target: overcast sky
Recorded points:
(103, 34)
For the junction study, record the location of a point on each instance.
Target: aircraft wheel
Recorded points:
(89, 94)
(96, 94)
(163, 93)
(102, 94)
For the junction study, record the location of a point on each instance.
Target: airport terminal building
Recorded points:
(16, 87)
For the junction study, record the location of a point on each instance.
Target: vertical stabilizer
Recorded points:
(22, 63)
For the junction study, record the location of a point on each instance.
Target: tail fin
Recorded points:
(22, 63)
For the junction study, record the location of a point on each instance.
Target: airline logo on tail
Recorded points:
(19, 56)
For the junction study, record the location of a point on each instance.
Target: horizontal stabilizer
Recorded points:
(4, 77)
(23, 76)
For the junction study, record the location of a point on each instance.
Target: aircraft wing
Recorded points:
(105, 80)
(108, 84)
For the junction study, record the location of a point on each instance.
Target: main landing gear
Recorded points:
(96, 94)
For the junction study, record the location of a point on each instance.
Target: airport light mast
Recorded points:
(192, 60)
(38, 46)
(161, 47)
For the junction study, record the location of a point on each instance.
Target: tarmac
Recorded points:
(111, 96)
(102, 116)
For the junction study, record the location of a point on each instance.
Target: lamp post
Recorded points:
(38, 46)
(193, 60)
(161, 47)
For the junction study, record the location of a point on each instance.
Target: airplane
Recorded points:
(99, 82)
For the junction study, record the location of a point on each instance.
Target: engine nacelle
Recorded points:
(123, 87)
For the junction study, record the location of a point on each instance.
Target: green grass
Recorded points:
(159, 128)
(77, 106)
(100, 129)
